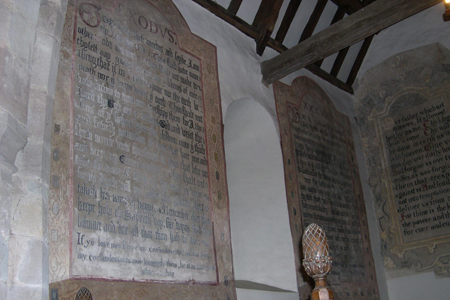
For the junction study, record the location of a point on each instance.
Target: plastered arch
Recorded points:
(261, 238)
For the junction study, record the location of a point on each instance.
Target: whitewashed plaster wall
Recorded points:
(419, 30)
(424, 28)
(260, 231)
(29, 44)
(240, 78)
(246, 294)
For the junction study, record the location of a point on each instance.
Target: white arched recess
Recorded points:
(263, 252)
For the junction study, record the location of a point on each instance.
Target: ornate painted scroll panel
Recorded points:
(323, 185)
(138, 179)
(403, 114)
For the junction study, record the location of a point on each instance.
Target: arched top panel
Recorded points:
(262, 245)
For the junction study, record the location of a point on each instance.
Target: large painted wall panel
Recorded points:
(403, 114)
(323, 185)
(139, 191)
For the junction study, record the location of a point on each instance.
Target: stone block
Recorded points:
(5, 20)
(15, 83)
(5, 209)
(28, 269)
(45, 211)
(40, 115)
(12, 139)
(31, 269)
(57, 2)
(45, 268)
(64, 5)
(27, 211)
(51, 19)
(5, 174)
(26, 261)
(21, 35)
(29, 9)
(4, 249)
(35, 160)
(16, 292)
(45, 62)
(3, 290)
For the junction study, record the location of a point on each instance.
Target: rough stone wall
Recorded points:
(29, 54)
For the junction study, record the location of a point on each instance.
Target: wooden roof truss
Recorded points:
(349, 25)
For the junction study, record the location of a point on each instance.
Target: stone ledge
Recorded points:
(251, 285)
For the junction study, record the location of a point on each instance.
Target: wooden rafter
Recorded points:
(228, 17)
(277, 46)
(339, 61)
(287, 20)
(339, 15)
(234, 6)
(264, 22)
(313, 20)
(350, 6)
(359, 60)
(252, 32)
(350, 30)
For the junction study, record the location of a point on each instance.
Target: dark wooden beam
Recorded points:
(250, 31)
(330, 78)
(228, 17)
(350, 30)
(367, 2)
(350, 6)
(277, 46)
(339, 61)
(234, 6)
(313, 20)
(339, 15)
(291, 11)
(264, 22)
(359, 60)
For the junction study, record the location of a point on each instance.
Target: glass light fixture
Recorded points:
(446, 15)
(317, 261)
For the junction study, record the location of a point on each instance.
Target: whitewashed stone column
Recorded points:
(29, 54)
(12, 139)
(17, 33)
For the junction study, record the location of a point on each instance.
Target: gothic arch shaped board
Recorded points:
(323, 185)
(138, 177)
(403, 114)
